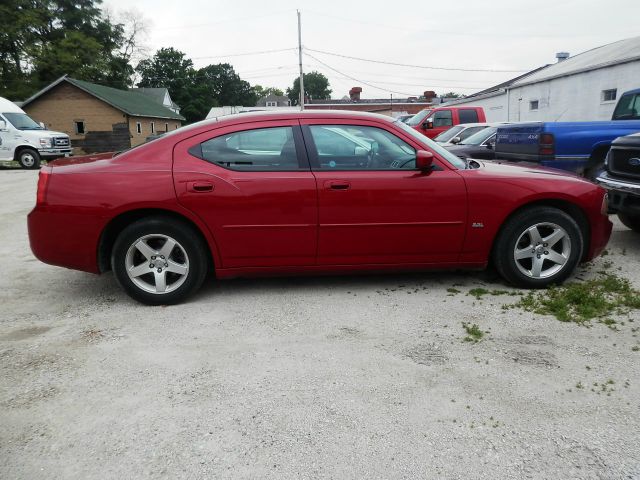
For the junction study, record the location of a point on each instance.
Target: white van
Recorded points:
(24, 140)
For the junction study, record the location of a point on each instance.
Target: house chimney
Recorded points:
(562, 56)
(429, 95)
(354, 94)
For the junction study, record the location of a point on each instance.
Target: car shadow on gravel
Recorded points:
(433, 280)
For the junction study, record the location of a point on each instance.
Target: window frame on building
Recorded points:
(79, 127)
(608, 95)
(534, 105)
(138, 128)
(153, 127)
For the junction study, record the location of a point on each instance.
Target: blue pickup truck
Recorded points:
(580, 147)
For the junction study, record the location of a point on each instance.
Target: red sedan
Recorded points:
(294, 193)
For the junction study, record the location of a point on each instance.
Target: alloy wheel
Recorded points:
(542, 250)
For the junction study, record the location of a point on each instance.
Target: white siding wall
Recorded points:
(565, 99)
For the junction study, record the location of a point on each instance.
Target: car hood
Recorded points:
(503, 168)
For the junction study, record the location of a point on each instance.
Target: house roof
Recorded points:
(132, 103)
(157, 93)
(615, 53)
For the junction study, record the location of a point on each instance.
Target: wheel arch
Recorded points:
(570, 208)
(118, 223)
(24, 146)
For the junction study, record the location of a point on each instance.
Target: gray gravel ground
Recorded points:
(329, 377)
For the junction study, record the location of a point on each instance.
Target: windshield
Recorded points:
(22, 121)
(418, 118)
(433, 146)
(449, 134)
(628, 108)
(479, 137)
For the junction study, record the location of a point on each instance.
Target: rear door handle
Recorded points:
(337, 185)
(199, 187)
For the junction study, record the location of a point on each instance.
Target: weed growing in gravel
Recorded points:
(584, 301)
(479, 292)
(453, 290)
(474, 334)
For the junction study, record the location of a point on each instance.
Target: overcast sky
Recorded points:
(511, 36)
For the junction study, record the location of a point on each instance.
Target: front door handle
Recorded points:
(199, 187)
(337, 185)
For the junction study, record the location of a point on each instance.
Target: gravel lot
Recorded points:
(329, 377)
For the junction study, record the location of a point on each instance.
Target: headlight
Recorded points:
(45, 142)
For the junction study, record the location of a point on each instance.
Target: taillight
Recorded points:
(547, 146)
(43, 183)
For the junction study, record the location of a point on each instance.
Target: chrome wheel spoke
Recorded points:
(556, 257)
(176, 268)
(536, 268)
(161, 281)
(554, 238)
(167, 248)
(534, 235)
(145, 249)
(139, 270)
(524, 253)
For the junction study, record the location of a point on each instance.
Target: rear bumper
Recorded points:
(624, 195)
(64, 239)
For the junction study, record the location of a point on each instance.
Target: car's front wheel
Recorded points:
(159, 260)
(537, 247)
(630, 221)
(28, 158)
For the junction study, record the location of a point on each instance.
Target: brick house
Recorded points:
(99, 118)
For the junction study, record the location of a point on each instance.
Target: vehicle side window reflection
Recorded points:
(353, 147)
(264, 149)
(442, 118)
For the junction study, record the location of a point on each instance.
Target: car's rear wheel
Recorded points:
(630, 221)
(537, 247)
(28, 158)
(159, 261)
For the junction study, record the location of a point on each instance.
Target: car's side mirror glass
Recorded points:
(455, 140)
(424, 160)
(42, 125)
(427, 124)
(3, 125)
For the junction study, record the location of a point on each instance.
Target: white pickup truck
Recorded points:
(24, 140)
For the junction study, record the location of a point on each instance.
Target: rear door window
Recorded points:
(263, 149)
(468, 116)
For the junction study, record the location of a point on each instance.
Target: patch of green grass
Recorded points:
(583, 301)
(635, 348)
(478, 292)
(474, 334)
(453, 290)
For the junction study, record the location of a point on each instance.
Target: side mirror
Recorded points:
(3, 126)
(42, 125)
(427, 124)
(424, 160)
(455, 140)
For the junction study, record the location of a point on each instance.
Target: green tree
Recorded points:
(266, 91)
(451, 95)
(41, 40)
(316, 87)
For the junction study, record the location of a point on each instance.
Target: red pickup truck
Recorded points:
(433, 121)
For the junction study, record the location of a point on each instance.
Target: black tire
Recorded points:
(28, 158)
(546, 220)
(630, 221)
(189, 250)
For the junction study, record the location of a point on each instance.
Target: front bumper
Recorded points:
(624, 195)
(55, 152)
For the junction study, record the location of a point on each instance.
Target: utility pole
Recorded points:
(300, 62)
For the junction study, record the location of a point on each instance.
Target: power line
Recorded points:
(413, 66)
(357, 80)
(261, 52)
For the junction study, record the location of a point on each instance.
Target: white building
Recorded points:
(584, 87)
